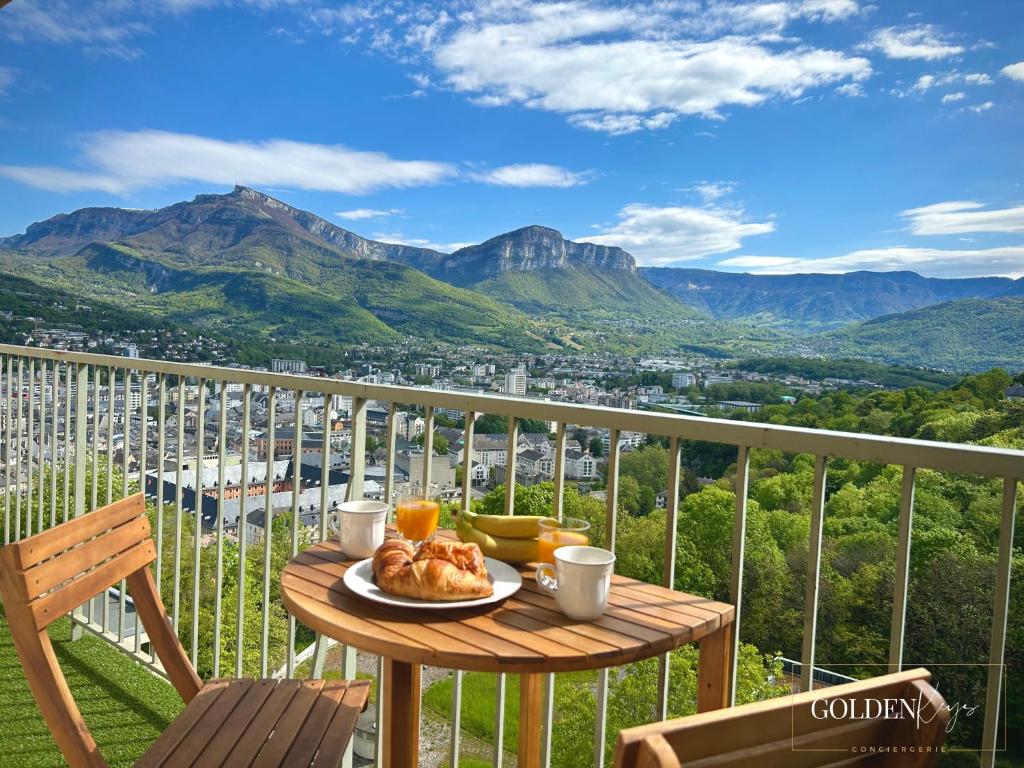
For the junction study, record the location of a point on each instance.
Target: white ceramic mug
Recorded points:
(359, 526)
(580, 580)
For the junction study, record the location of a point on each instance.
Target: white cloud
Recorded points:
(920, 41)
(7, 75)
(628, 68)
(949, 98)
(983, 107)
(853, 90)
(104, 27)
(678, 233)
(361, 214)
(959, 217)
(1014, 71)
(532, 175)
(977, 78)
(120, 161)
(710, 191)
(933, 262)
(925, 83)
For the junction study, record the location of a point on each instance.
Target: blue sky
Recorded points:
(783, 136)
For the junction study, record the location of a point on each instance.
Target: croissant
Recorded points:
(438, 571)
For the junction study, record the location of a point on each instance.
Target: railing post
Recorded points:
(54, 411)
(197, 511)
(389, 459)
(143, 459)
(456, 737)
(499, 721)
(669, 566)
(28, 456)
(468, 432)
(66, 505)
(19, 398)
(813, 576)
(294, 544)
(179, 508)
(739, 540)
(511, 458)
(612, 488)
(320, 652)
(268, 523)
(428, 447)
(8, 432)
(357, 450)
(242, 520)
(219, 569)
(559, 471)
(161, 448)
(1000, 616)
(111, 382)
(95, 484)
(81, 395)
(902, 578)
(81, 440)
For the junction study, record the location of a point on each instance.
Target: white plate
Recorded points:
(503, 577)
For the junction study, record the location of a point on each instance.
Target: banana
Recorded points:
(505, 526)
(498, 547)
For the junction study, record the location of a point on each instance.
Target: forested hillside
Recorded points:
(956, 520)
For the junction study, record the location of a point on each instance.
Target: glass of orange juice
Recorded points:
(555, 534)
(416, 514)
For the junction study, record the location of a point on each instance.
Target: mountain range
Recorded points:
(245, 263)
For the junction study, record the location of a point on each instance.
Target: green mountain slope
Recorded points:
(228, 261)
(815, 302)
(575, 292)
(356, 301)
(965, 335)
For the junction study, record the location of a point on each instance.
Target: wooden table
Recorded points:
(525, 634)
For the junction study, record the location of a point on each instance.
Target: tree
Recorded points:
(596, 447)
(632, 695)
(629, 495)
(491, 424)
(440, 443)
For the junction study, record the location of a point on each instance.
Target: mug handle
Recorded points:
(547, 577)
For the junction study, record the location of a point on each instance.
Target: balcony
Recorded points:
(215, 447)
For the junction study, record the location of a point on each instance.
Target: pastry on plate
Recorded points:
(439, 570)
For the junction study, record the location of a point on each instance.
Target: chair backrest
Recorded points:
(47, 575)
(825, 727)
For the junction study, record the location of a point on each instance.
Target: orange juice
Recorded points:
(417, 518)
(553, 538)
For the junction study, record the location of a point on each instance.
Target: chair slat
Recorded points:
(69, 564)
(313, 730)
(343, 725)
(287, 728)
(771, 734)
(236, 726)
(176, 732)
(53, 605)
(245, 751)
(35, 549)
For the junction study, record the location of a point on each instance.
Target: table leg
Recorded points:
(530, 690)
(401, 714)
(714, 666)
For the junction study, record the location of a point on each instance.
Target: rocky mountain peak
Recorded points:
(536, 247)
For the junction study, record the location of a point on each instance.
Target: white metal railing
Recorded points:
(38, 381)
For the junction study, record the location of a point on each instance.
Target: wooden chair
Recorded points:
(225, 722)
(784, 732)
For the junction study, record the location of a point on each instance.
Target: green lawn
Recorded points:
(480, 698)
(124, 705)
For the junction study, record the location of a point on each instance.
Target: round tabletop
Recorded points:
(524, 634)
